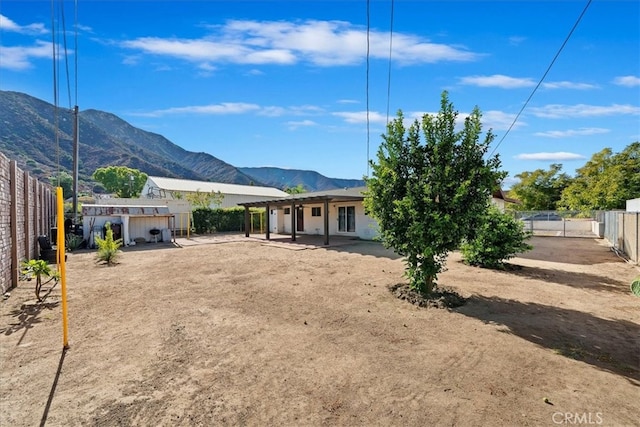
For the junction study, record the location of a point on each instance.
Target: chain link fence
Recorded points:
(561, 223)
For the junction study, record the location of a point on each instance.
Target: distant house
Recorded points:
(499, 199)
(171, 188)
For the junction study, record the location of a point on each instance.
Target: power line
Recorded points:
(543, 76)
(55, 87)
(390, 51)
(367, 84)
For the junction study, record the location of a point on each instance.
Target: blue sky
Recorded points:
(283, 83)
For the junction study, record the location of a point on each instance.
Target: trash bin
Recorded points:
(166, 235)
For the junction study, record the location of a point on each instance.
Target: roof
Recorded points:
(131, 210)
(340, 194)
(173, 184)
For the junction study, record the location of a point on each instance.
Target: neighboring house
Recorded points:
(234, 194)
(499, 199)
(330, 213)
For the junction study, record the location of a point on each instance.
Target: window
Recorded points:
(347, 218)
(287, 211)
(316, 211)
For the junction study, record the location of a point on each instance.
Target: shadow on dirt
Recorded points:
(570, 278)
(608, 344)
(563, 250)
(27, 317)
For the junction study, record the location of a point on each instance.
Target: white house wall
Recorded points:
(366, 227)
(140, 226)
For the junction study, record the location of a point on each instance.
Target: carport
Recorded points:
(296, 201)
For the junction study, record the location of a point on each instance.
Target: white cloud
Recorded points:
(499, 120)
(629, 81)
(572, 132)
(347, 101)
(361, 117)
(213, 109)
(19, 58)
(293, 125)
(498, 80)
(8, 25)
(558, 156)
(568, 85)
(516, 40)
(558, 111)
(254, 72)
(321, 43)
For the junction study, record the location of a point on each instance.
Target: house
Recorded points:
(499, 199)
(171, 188)
(330, 213)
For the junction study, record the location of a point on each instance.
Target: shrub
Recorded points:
(207, 220)
(73, 242)
(499, 237)
(108, 249)
(39, 268)
(635, 286)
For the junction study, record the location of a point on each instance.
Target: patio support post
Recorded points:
(246, 221)
(326, 222)
(267, 217)
(293, 222)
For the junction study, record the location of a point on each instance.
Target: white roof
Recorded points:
(173, 184)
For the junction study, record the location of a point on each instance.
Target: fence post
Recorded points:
(27, 216)
(637, 236)
(13, 174)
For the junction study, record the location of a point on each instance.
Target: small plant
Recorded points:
(635, 286)
(39, 269)
(498, 238)
(108, 249)
(73, 242)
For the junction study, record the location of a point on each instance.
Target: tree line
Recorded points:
(605, 182)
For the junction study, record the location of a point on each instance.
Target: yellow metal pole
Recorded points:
(62, 268)
(188, 224)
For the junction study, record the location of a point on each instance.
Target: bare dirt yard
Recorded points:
(247, 333)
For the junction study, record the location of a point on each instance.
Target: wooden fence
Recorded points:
(27, 210)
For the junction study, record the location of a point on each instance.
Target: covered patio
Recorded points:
(296, 202)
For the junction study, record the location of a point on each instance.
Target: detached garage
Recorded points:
(133, 224)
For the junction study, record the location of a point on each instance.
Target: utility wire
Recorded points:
(66, 53)
(543, 76)
(390, 51)
(367, 84)
(55, 87)
(75, 52)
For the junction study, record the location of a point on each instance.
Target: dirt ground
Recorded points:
(243, 333)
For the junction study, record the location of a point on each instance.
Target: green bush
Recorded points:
(73, 242)
(635, 286)
(207, 220)
(499, 238)
(108, 249)
(39, 269)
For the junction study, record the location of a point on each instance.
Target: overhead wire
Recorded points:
(367, 79)
(566, 40)
(390, 58)
(66, 53)
(55, 88)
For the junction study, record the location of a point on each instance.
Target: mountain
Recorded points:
(27, 135)
(311, 180)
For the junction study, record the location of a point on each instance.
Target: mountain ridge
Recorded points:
(27, 135)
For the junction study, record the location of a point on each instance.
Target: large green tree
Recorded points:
(541, 189)
(430, 188)
(606, 181)
(121, 180)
